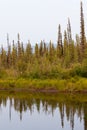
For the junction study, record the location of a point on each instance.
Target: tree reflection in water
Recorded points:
(68, 105)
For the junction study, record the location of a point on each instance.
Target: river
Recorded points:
(42, 111)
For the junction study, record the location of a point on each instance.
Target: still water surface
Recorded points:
(24, 111)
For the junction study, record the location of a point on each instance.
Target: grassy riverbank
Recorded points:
(75, 84)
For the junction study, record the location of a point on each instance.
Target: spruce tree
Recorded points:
(19, 48)
(22, 50)
(69, 33)
(82, 33)
(14, 54)
(66, 58)
(3, 57)
(65, 44)
(70, 42)
(78, 48)
(59, 43)
(36, 51)
(41, 48)
(44, 48)
(28, 52)
(51, 51)
(9, 52)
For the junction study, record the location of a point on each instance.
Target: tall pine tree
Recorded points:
(82, 33)
(59, 43)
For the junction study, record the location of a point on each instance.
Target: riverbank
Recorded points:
(75, 84)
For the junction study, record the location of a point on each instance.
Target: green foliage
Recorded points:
(76, 70)
(21, 67)
(3, 73)
(84, 68)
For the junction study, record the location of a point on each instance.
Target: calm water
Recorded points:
(24, 111)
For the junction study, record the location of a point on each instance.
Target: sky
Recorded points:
(38, 20)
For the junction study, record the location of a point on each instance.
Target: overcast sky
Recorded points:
(38, 19)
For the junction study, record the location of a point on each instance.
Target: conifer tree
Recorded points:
(19, 48)
(75, 54)
(14, 54)
(36, 51)
(22, 50)
(78, 51)
(9, 56)
(65, 47)
(71, 51)
(66, 51)
(3, 57)
(51, 51)
(82, 33)
(28, 52)
(70, 42)
(9, 52)
(41, 48)
(69, 33)
(59, 43)
(44, 48)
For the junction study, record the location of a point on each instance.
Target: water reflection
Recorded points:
(68, 106)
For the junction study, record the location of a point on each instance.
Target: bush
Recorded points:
(76, 70)
(84, 68)
(3, 73)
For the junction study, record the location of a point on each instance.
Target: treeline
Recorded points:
(65, 59)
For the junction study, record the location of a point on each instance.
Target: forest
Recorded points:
(64, 60)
